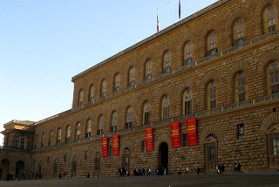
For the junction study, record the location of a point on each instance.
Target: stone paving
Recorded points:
(262, 179)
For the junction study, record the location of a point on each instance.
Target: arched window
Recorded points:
(167, 61)
(80, 98)
(59, 135)
(91, 93)
(165, 108)
(272, 78)
(238, 32)
(101, 124)
(270, 19)
(104, 88)
(129, 119)
(211, 95)
(187, 98)
(88, 128)
(146, 112)
(68, 133)
(117, 82)
(239, 87)
(21, 143)
(188, 53)
(43, 139)
(78, 131)
(132, 74)
(211, 43)
(50, 138)
(114, 121)
(148, 69)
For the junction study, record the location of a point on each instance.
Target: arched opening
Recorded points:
(163, 158)
(126, 159)
(4, 170)
(273, 147)
(210, 150)
(55, 168)
(19, 170)
(39, 170)
(74, 166)
(97, 164)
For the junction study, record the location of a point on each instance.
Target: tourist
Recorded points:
(222, 168)
(198, 170)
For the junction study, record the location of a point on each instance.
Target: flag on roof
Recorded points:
(179, 9)
(158, 21)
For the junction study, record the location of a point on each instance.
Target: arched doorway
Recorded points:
(126, 159)
(97, 164)
(19, 170)
(5, 168)
(210, 150)
(163, 157)
(74, 166)
(39, 170)
(55, 168)
(273, 147)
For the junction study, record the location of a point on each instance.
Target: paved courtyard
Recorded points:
(263, 179)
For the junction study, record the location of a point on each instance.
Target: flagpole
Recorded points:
(168, 13)
(179, 9)
(158, 21)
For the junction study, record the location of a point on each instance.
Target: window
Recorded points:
(97, 162)
(270, 19)
(239, 89)
(167, 61)
(80, 98)
(148, 69)
(68, 133)
(77, 131)
(91, 93)
(211, 153)
(146, 112)
(188, 53)
(211, 95)
(240, 131)
(74, 165)
(85, 155)
(65, 157)
(43, 140)
(48, 160)
(165, 108)
(187, 98)
(238, 32)
(110, 151)
(275, 146)
(132, 76)
(114, 121)
(211, 43)
(143, 147)
(22, 143)
(104, 88)
(50, 138)
(88, 128)
(59, 132)
(184, 140)
(101, 125)
(129, 117)
(117, 82)
(272, 76)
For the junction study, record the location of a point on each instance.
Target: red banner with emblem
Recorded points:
(149, 139)
(105, 146)
(175, 134)
(115, 144)
(192, 131)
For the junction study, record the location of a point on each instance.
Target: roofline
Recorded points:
(19, 122)
(152, 37)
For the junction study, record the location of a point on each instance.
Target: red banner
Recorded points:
(115, 144)
(149, 139)
(105, 146)
(175, 134)
(192, 131)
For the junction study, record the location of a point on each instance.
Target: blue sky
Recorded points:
(44, 43)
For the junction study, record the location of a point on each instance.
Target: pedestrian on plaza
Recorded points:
(36, 176)
(239, 168)
(135, 172)
(60, 176)
(123, 171)
(235, 168)
(119, 171)
(198, 170)
(143, 171)
(222, 168)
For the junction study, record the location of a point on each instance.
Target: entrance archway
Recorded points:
(210, 150)
(273, 147)
(5, 168)
(163, 157)
(126, 158)
(19, 170)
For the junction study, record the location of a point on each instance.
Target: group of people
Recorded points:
(237, 168)
(123, 172)
(220, 169)
(142, 172)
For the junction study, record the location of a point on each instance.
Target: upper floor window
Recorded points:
(103, 88)
(114, 121)
(239, 87)
(240, 131)
(188, 53)
(238, 32)
(21, 143)
(78, 131)
(101, 124)
(88, 128)
(68, 133)
(43, 140)
(91, 93)
(272, 78)
(165, 108)
(50, 138)
(80, 98)
(132, 76)
(211, 43)
(187, 98)
(117, 82)
(148, 69)
(167, 61)
(146, 112)
(129, 118)
(270, 19)
(211, 95)
(59, 135)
